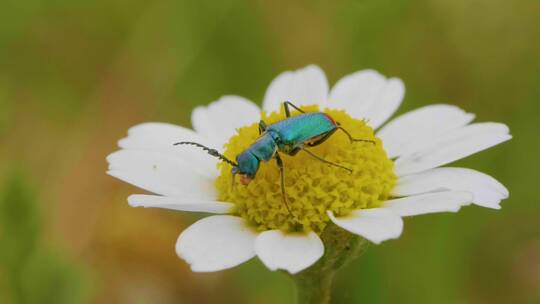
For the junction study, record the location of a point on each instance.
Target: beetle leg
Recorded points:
(262, 127)
(354, 139)
(326, 161)
(282, 181)
(294, 151)
(321, 139)
(286, 105)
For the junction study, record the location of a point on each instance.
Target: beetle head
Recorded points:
(247, 168)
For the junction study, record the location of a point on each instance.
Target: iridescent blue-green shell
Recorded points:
(295, 131)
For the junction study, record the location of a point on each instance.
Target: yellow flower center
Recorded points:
(311, 186)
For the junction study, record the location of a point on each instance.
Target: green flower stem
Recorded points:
(314, 289)
(314, 284)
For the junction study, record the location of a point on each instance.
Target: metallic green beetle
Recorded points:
(289, 136)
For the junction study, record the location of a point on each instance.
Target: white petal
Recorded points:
(160, 134)
(301, 87)
(293, 252)
(448, 201)
(179, 204)
(487, 191)
(367, 95)
(402, 133)
(161, 137)
(357, 92)
(216, 243)
(219, 120)
(160, 173)
(387, 104)
(451, 146)
(376, 225)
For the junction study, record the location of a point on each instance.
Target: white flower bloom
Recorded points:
(416, 145)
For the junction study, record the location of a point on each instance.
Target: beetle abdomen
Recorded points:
(300, 129)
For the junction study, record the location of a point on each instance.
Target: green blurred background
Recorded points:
(74, 75)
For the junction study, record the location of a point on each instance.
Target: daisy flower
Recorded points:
(400, 175)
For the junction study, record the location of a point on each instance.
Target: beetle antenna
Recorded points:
(210, 151)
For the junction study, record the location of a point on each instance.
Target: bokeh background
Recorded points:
(74, 75)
